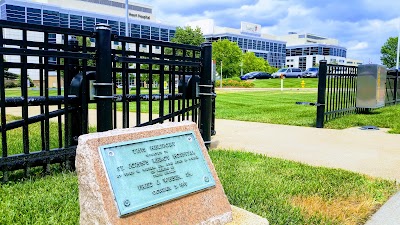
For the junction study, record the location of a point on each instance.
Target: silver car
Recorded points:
(288, 72)
(311, 72)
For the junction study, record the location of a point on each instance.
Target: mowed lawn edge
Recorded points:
(276, 107)
(279, 107)
(283, 191)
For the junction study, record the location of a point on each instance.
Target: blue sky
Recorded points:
(362, 26)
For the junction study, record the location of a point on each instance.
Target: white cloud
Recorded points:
(358, 46)
(362, 26)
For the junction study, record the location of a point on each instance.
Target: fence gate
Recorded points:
(127, 82)
(337, 88)
(337, 91)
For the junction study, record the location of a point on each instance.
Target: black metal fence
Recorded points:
(392, 87)
(337, 91)
(127, 81)
(337, 86)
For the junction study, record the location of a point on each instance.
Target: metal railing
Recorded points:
(337, 86)
(392, 87)
(75, 76)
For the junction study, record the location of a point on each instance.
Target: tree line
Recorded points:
(225, 53)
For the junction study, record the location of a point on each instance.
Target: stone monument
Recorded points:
(159, 174)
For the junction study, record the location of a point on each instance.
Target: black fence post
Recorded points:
(321, 94)
(206, 93)
(103, 83)
(396, 86)
(74, 118)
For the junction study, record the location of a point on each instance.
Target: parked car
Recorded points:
(311, 72)
(248, 76)
(262, 75)
(288, 72)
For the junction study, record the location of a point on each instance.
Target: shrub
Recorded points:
(234, 82)
(10, 84)
(235, 78)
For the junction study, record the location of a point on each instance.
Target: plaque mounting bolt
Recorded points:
(189, 139)
(206, 179)
(111, 153)
(127, 203)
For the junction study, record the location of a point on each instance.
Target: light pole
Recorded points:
(220, 83)
(398, 44)
(241, 68)
(126, 18)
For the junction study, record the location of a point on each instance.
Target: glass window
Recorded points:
(245, 42)
(267, 48)
(75, 22)
(240, 42)
(114, 27)
(98, 20)
(135, 30)
(145, 32)
(155, 33)
(34, 16)
(15, 13)
(51, 18)
(64, 20)
(122, 29)
(88, 23)
(164, 34)
(171, 34)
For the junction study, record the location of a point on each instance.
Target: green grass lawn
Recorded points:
(16, 92)
(386, 117)
(287, 83)
(267, 107)
(287, 192)
(279, 108)
(274, 107)
(282, 191)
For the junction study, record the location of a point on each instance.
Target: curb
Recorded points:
(388, 214)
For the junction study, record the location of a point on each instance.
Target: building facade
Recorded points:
(248, 38)
(82, 15)
(306, 50)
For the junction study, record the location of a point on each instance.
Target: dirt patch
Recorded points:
(348, 211)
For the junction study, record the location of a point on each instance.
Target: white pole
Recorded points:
(126, 18)
(241, 68)
(220, 83)
(398, 45)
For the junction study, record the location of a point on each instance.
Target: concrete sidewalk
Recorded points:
(372, 152)
(375, 153)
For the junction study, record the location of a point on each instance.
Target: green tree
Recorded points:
(230, 55)
(253, 63)
(389, 52)
(270, 69)
(189, 36)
